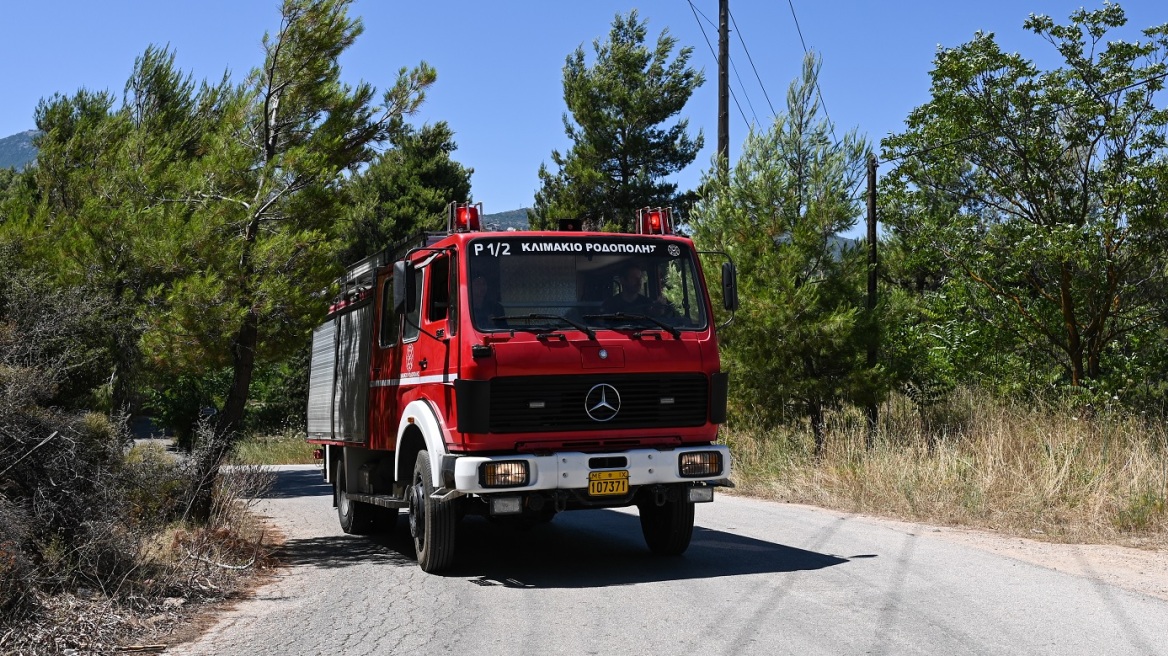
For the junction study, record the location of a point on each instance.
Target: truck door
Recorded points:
(432, 350)
(412, 354)
(385, 373)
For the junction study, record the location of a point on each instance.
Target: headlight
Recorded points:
(697, 464)
(509, 473)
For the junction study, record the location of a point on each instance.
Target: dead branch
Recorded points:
(208, 561)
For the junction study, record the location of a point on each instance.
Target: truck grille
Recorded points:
(523, 404)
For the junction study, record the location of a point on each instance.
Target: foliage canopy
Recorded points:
(622, 148)
(1039, 196)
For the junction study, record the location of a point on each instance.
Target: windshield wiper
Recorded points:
(554, 317)
(639, 317)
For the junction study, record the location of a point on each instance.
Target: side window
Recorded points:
(679, 289)
(389, 319)
(439, 290)
(410, 332)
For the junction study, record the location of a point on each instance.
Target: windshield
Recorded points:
(545, 284)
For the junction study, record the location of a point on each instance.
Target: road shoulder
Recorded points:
(1135, 570)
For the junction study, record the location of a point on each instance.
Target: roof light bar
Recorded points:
(655, 221)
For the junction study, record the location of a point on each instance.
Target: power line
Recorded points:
(1057, 109)
(713, 52)
(751, 60)
(742, 86)
(702, 14)
(818, 91)
(753, 113)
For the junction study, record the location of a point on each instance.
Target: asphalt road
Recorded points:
(759, 578)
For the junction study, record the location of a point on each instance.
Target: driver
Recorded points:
(630, 300)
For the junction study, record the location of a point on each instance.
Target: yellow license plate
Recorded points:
(608, 483)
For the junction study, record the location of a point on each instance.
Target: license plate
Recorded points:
(608, 483)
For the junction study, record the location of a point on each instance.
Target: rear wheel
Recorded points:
(668, 527)
(432, 522)
(356, 518)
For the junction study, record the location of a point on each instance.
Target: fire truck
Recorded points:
(521, 374)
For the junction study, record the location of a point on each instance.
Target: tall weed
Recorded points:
(975, 461)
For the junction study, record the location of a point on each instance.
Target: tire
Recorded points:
(432, 522)
(356, 518)
(667, 528)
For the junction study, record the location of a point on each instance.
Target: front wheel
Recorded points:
(668, 528)
(432, 522)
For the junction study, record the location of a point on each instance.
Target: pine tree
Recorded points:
(796, 346)
(266, 197)
(622, 150)
(405, 190)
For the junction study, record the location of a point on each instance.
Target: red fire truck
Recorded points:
(522, 374)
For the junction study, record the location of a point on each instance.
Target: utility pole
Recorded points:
(874, 342)
(724, 86)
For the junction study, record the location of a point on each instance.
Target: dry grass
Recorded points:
(287, 449)
(976, 462)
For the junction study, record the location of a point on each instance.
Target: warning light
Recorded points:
(464, 217)
(468, 218)
(655, 221)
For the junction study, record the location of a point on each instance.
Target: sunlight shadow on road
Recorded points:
(600, 548)
(580, 549)
(333, 551)
(307, 482)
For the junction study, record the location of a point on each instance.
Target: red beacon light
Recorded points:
(463, 217)
(655, 221)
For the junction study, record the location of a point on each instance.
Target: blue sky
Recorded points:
(499, 63)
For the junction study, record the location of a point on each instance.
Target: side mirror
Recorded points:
(404, 300)
(729, 286)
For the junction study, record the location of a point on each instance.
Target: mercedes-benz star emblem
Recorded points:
(602, 402)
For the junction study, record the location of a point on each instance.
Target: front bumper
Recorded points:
(570, 470)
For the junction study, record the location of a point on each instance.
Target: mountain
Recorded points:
(837, 243)
(17, 151)
(516, 219)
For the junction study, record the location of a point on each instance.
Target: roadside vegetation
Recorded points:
(1015, 360)
(1031, 470)
(289, 448)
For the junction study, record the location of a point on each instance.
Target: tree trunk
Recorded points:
(1074, 340)
(210, 457)
(243, 349)
(126, 354)
(817, 428)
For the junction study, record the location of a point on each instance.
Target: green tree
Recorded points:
(1043, 192)
(405, 190)
(93, 209)
(797, 345)
(266, 198)
(8, 178)
(622, 150)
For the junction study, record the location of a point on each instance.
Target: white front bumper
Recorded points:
(569, 470)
